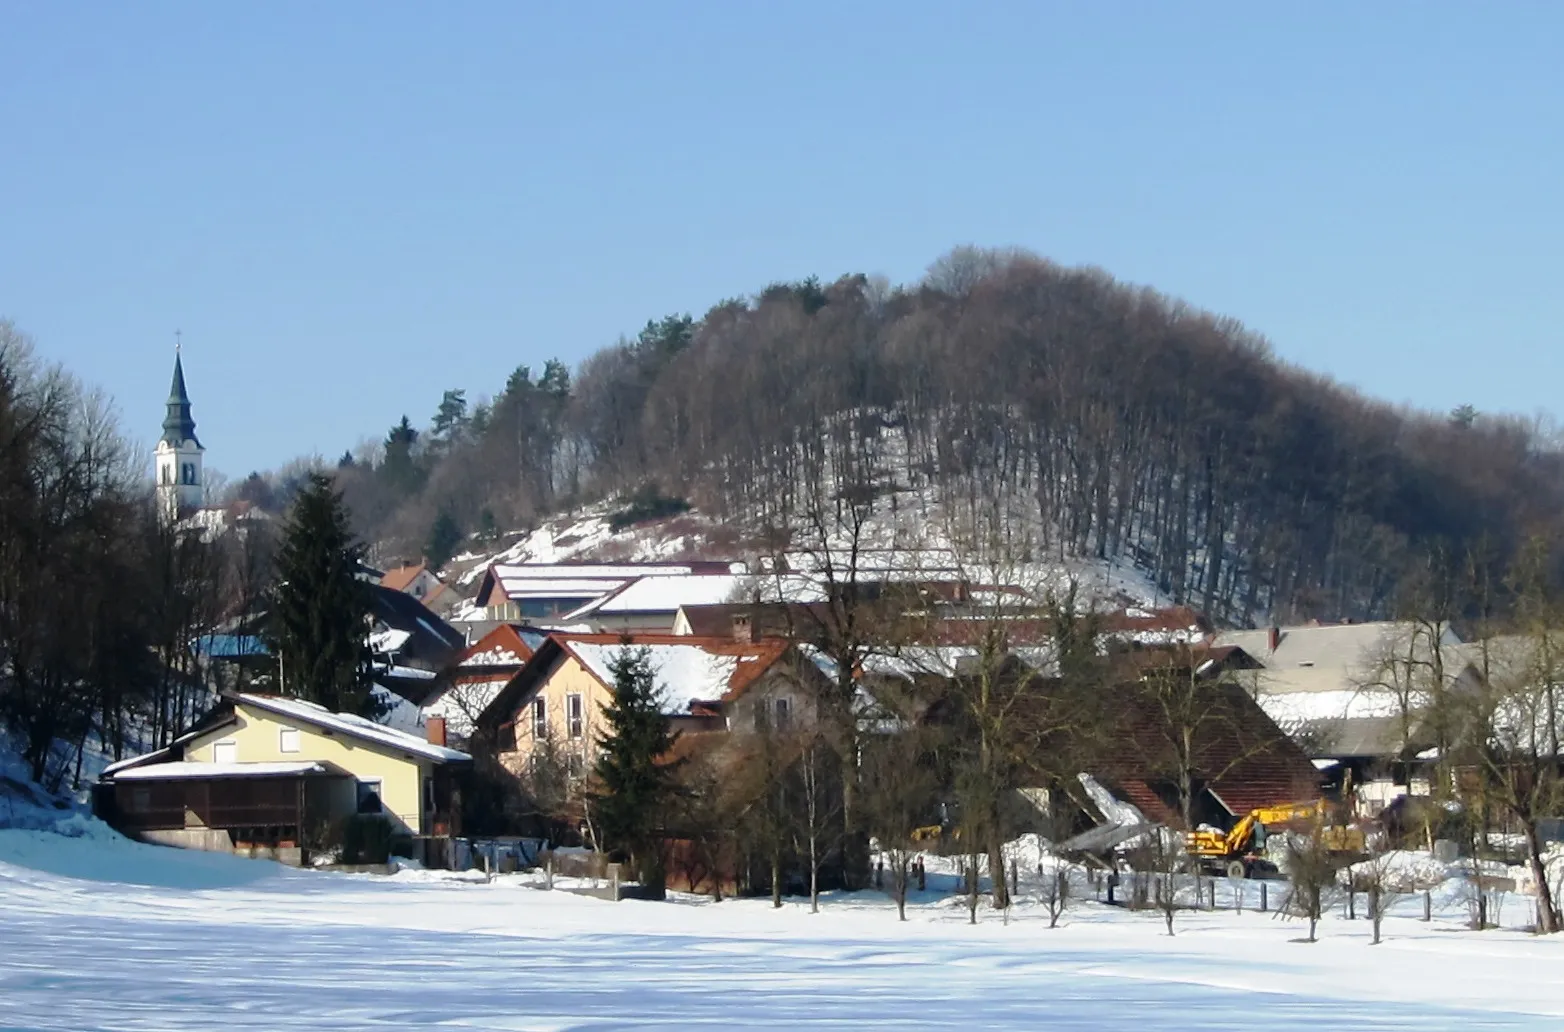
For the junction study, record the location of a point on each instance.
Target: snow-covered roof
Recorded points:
(389, 640)
(497, 656)
(685, 673)
(348, 724)
(588, 571)
(559, 587)
(662, 594)
(1338, 657)
(408, 672)
(165, 771)
(1289, 709)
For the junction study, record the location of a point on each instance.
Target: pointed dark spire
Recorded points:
(179, 424)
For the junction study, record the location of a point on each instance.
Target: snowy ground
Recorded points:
(98, 933)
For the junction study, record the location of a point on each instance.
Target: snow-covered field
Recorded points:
(99, 933)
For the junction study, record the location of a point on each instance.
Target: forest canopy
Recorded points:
(1126, 423)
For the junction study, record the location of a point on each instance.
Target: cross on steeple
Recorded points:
(177, 335)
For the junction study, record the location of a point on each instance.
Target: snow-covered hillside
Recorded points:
(111, 934)
(915, 530)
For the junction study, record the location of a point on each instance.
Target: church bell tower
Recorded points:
(178, 454)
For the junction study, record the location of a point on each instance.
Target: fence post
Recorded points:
(1263, 901)
(1015, 877)
(613, 871)
(1428, 905)
(548, 873)
(1238, 895)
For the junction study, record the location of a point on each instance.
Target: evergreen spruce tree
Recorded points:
(444, 536)
(634, 790)
(400, 466)
(320, 612)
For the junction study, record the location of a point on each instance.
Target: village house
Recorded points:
(261, 774)
(424, 584)
(709, 684)
(407, 633)
(1355, 697)
(652, 604)
(543, 592)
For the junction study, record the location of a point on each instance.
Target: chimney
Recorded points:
(434, 730)
(743, 627)
(1273, 637)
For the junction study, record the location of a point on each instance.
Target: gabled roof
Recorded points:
(508, 645)
(347, 724)
(1336, 657)
(661, 594)
(400, 578)
(687, 668)
(431, 637)
(585, 581)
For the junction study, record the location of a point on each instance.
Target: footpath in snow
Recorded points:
(100, 933)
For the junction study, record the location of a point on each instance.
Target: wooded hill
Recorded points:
(1125, 423)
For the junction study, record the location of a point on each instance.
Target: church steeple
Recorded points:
(179, 424)
(178, 454)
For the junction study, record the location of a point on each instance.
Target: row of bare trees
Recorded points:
(1474, 681)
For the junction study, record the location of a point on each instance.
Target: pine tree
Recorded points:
(444, 536)
(450, 419)
(634, 788)
(320, 613)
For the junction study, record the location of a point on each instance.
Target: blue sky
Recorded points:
(348, 207)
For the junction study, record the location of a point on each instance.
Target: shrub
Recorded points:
(647, 503)
(365, 840)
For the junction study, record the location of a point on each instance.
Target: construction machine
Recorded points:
(1236, 853)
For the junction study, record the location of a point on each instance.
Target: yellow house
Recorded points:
(262, 770)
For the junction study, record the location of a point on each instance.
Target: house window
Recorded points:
(225, 751)
(167, 474)
(429, 798)
(575, 707)
(540, 719)
(369, 796)
(784, 713)
(288, 740)
(507, 736)
(187, 473)
(140, 800)
(573, 765)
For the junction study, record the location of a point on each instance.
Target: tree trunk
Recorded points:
(1547, 907)
(996, 873)
(972, 888)
(776, 878)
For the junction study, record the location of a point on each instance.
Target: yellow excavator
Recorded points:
(1236, 853)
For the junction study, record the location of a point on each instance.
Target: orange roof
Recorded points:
(754, 658)
(400, 578)
(502, 647)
